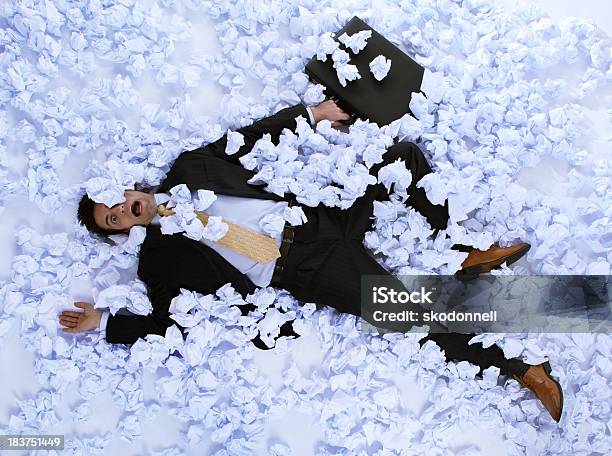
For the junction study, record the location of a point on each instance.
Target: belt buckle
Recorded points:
(288, 235)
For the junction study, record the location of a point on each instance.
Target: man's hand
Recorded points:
(75, 322)
(329, 110)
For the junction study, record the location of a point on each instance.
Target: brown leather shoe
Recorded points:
(548, 390)
(479, 261)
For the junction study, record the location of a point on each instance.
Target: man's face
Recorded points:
(139, 208)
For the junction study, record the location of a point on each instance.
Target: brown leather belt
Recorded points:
(287, 240)
(288, 234)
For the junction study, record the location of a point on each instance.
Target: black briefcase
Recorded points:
(366, 98)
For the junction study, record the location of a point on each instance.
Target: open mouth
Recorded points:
(136, 208)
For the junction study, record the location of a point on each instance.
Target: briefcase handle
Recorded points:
(351, 119)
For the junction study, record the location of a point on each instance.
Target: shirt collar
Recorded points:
(160, 198)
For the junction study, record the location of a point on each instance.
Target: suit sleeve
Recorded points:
(127, 329)
(192, 272)
(273, 125)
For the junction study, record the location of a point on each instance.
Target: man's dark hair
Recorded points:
(86, 218)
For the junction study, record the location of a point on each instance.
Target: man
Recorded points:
(321, 261)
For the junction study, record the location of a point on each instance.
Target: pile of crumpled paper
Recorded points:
(70, 71)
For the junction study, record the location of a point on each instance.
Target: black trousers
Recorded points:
(327, 258)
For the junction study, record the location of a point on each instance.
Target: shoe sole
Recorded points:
(472, 272)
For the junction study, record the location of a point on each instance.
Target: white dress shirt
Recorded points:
(246, 212)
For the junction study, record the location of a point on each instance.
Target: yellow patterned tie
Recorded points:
(244, 241)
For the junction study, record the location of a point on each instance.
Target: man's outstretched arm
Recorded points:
(274, 125)
(127, 329)
(192, 273)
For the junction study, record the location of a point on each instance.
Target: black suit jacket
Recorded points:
(170, 262)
